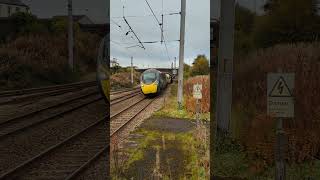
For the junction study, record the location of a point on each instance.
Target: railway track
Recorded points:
(69, 158)
(72, 86)
(19, 123)
(17, 96)
(124, 117)
(124, 90)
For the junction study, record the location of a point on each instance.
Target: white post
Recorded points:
(181, 53)
(70, 34)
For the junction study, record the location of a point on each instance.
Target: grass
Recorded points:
(231, 160)
(142, 159)
(170, 109)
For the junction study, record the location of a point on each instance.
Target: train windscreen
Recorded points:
(149, 78)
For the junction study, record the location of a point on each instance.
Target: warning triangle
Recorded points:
(280, 89)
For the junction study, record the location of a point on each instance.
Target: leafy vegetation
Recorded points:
(122, 79)
(200, 66)
(190, 102)
(36, 54)
(284, 37)
(170, 108)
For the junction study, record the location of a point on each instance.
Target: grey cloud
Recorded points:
(197, 31)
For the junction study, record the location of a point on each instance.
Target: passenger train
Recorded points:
(153, 82)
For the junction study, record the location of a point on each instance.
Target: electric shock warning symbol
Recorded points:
(280, 89)
(280, 101)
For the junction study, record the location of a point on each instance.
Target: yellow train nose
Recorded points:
(149, 88)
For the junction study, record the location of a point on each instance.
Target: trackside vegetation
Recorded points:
(286, 36)
(34, 53)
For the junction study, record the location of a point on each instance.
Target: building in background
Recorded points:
(9, 7)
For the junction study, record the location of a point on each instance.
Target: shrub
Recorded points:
(34, 60)
(250, 85)
(188, 89)
(123, 80)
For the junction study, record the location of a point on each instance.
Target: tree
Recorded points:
(200, 66)
(26, 23)
(244, 25)
(60, 25)
(287, 21)
(186, 71)
(244, 19)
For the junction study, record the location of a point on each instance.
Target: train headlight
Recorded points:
(156, 82)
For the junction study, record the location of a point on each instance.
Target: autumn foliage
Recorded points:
(188, 89)
(249, 93)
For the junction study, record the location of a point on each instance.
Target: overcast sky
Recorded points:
(197, 37)
(94, 9)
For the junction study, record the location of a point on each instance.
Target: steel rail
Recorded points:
(123, 125)
(14, 170)
(122, 91)
(46, 108)
(25, 163)
(95, 157)
(17, 99)
(47, 119)
(44, 89)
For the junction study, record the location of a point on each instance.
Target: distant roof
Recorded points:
(13, 2)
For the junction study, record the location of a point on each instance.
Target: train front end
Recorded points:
(149, 82)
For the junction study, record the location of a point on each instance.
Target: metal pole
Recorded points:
(70, 34)
(181, 53)
(280, 148)
(131, 70)
(280, 152)
(197, 112)
(225, 65)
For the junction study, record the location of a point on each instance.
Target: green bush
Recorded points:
(200, 66)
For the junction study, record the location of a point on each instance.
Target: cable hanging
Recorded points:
(131, 30)
(161, 27)
(142, 16)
